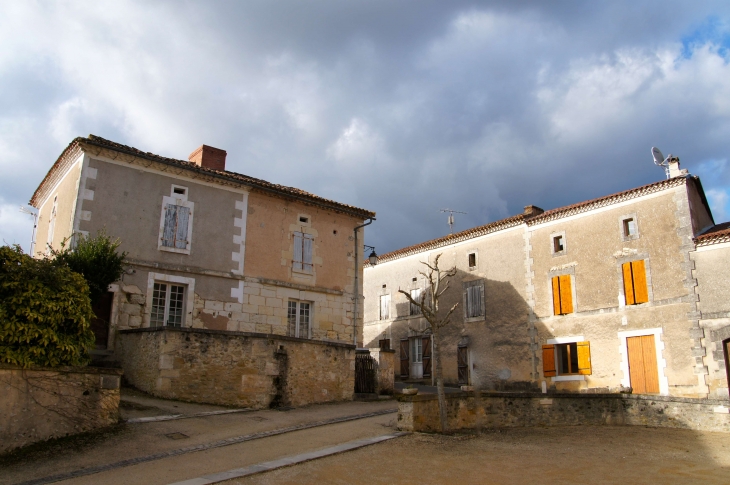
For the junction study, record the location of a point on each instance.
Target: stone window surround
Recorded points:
(181, 200)
(621, 220)
(311, 317)
(483, 316)
(553, 235)
(476, 259)
(565, 340)
(570, 270)
(390, 306)
(166, 278)
(619, 268)
(661, 362)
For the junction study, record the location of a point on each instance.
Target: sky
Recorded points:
(400, 107)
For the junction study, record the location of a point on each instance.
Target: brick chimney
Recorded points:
(209, 157)
(532, 210)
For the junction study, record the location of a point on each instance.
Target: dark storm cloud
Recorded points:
(404, 108)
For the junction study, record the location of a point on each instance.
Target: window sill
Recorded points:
(480, 318)
(569, 378)
(560, 253)
(173, 250)
(303, 272)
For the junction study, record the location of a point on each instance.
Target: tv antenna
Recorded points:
(660, 161)
(451, 218)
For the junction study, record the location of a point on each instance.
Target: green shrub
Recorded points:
(96, 259)
(45, 312)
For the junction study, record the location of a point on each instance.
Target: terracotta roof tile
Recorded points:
(291, 192)
(717, 234)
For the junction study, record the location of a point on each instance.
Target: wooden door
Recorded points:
(404, 360)
(462, 358)
(100, 323)
(426, 342)
(726, 351)
(642, 364)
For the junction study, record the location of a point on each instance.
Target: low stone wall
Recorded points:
(236, 368)
(386, 370)
(466, 410)
(40, 403)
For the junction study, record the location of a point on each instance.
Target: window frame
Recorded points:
(188, 301)
(415, 310)
(553, 237)
(380, 306)
(646, 296)
(304, 254)
(465, 297)
(180, 200)
(622, 227)
(570, 277)
(476, 260)
(582, 346)
(167, 304)
(296, 326)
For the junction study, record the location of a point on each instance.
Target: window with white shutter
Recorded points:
(385, 307)
(474, 299)
(416, 295)
(302, 260)
(176, 222)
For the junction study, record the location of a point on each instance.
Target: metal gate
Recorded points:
(365, 368)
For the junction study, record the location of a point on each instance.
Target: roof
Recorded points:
(539, 217)
(717, 234)
(452, 238)
(224, 176)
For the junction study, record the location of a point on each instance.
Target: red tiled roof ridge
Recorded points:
(591, 204)
(719, 233)
(233, 176)
(452, 238)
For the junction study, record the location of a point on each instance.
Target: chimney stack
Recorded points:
(674, 170)
(209, 157)
(532, 210)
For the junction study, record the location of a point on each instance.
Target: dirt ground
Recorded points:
(626, 455)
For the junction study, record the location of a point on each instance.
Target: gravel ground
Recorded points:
(525, 455)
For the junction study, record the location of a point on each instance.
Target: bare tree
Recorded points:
(428, 303)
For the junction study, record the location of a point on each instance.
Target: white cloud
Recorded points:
(719, 204)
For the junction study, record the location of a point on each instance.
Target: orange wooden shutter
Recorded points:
(556, 295)
(651, 375)
(638, 271)
(548, 360)
(584, 358)
(566, 294)
(628, 284)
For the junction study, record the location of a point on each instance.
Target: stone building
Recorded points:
(238, 291)
(623, 291)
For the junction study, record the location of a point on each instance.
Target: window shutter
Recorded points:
(548, 360)
(404, 361)
(566, 294)
(307, 253)
(556, 295)
(638, 271)
(385, 307)
(168, 232)
(297, 263)
(426, 356)
(584, 358)
(628, 284)
(181, 233)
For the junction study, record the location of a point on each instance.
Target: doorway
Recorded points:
(643, 372)
(102, 309)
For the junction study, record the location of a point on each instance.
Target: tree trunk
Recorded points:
(439, 379)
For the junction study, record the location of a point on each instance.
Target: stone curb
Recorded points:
(202, 447)
(170, 417)
(288, 461)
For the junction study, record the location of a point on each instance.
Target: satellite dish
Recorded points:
(658, 157)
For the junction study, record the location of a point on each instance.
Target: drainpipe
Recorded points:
(357, 287)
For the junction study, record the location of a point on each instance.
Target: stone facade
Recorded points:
(236, 368)
(39, 403)
(505, 410)
(513, 264)
(386, 370)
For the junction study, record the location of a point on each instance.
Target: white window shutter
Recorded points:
(307, 252)
(297, 264)
(181, 235)
(168, 233)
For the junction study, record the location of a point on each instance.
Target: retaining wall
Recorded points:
(466, 410)
(236, 368)
(41, 403)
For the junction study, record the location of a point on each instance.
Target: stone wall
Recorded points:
(500, 410)
(386, 369)
(236, 368)
(40, 403)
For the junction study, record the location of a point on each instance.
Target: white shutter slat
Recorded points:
(297, 263)
(181, 235)
(307, 253)
(168, 232)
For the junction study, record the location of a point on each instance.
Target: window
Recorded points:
(558, 244)
(167, 305)
(564, 359)
(472, 260)
(474, 299)
(176, 225)
(302, 253)
(52, 221)
(635, 287)
(384, 344)
(416, 350)
(416, 295)
(298, 318)
(562, 295)
(385, 307)
(629, 227)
